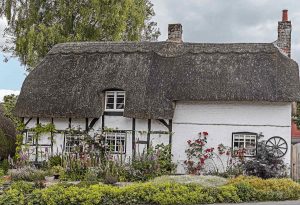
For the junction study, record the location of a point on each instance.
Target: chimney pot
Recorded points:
(284, 34)
(175, 33)
(285, 15)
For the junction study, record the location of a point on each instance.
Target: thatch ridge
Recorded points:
(71, 79)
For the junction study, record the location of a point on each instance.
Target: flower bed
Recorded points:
(241, 189)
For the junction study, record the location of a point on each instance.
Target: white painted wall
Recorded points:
(220, 120)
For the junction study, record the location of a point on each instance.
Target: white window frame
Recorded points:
(70, 148)
(115, 93)
(118, 138)
(242, 137)
(27, 140)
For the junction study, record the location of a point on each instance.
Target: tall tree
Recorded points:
(36, 25)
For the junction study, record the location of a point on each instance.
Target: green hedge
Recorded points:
(237, 190)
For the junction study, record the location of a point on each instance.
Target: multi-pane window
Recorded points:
(72, 143)
(116, 142)
(245, 142)
(114, 100)
(29, 138)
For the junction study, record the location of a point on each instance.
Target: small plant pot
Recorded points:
(56, 176)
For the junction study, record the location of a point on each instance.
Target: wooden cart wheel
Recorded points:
(277, 145)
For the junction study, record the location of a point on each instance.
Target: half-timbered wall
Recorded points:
(140, 133)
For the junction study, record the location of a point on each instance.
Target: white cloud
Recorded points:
(219, 21)
(7, 92)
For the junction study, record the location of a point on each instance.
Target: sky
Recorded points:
(203, 21)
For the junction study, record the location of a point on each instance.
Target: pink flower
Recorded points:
(205, 133)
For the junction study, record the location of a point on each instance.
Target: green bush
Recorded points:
(5, 166)
(55, 161)
(269, 189)
(153, 162)
(246, 192)
(237, 190)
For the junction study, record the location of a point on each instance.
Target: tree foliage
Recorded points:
(9, 104)
(7, 145)
(37, 25)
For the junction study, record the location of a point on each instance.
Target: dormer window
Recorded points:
(114, 100)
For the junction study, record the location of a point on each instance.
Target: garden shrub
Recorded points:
(265, 164)
(153, 162)
(237, 190)
(55, 161)
(271, 189)
(228, 194)
(27, 174)
(246, 192)
(5, 166)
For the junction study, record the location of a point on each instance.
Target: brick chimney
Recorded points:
(284, 34)
(175, 33)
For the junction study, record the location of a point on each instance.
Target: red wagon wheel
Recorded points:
(277, 145)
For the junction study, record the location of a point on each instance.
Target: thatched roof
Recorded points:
(6, 125)
(71, 79)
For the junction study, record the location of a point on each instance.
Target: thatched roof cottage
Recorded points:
(172, 90)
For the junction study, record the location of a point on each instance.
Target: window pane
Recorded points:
(109, 106)
(115, 142)
(72, 143)
(120, 106)
(121, 94)
(246, 142)
(120, 100)
(110, 100)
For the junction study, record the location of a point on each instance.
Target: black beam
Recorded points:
(170, 132)
(149, 133)
(102, 123)
(52, 122)
(70, 122)
(142, 142)
(87, 124)
(133, 137)
(93, 122)
(26, 123)
(164, 123)
(37, 142)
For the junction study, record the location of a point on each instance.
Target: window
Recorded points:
(116, 142)
(29, 138)
(72, 143)
(114, 100)
(245, 141)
